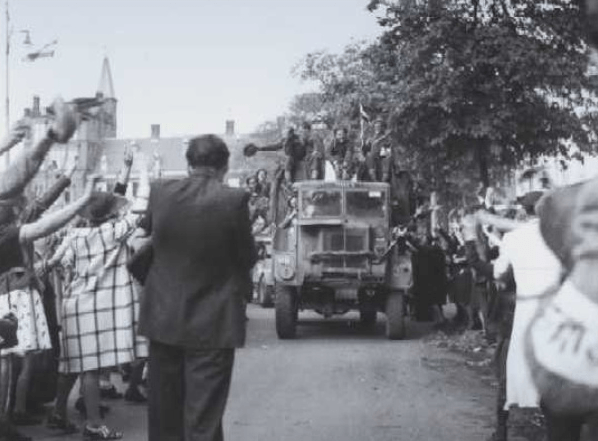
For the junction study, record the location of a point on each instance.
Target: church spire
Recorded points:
(106, 87)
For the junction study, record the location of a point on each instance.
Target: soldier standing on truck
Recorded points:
(378, 151)
(304, 156)
(340, 153)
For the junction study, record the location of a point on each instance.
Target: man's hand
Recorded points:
(16, 134)
(20, 129)
(65, 121)
(128, 160)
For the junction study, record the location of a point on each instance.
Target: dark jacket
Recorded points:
(200, 276)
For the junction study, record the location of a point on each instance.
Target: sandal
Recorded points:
(100, 433)
(56, 422)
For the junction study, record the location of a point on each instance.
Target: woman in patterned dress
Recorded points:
(100, 307)
(25, 301)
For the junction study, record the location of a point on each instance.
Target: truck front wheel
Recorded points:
(395, 317)
(286, 311)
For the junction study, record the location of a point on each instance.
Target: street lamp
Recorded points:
(27, 41)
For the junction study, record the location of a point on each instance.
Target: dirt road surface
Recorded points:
(338, 382)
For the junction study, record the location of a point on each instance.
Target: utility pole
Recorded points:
(7, 108)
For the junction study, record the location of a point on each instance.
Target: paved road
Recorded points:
(336, 382)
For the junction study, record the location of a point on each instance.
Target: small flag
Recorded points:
(363, 113)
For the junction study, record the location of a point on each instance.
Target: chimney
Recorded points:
(35, 109)
(230, 127)
(155, 131)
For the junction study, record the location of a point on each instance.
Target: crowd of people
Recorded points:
(489, 258)
(82, 290)
(524, 274)
(65, 291)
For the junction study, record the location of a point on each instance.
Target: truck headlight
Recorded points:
(285, 267)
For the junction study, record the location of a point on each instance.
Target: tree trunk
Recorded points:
(482, 159)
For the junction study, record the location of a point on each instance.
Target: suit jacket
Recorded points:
(199, 279)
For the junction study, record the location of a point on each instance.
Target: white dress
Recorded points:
(32, 331)
(536, 269)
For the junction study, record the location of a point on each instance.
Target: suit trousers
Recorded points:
(188, 391)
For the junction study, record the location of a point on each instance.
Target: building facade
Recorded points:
(100, 150)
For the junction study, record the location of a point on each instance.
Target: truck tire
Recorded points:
(395, 317)
(286, 312)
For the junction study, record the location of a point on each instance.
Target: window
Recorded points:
(366, 203)
(317, 203)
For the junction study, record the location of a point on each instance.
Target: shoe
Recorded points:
(110, 393)
(132, 395)
(80, 406)
(99, 433)
(24, 419)
(56, 422)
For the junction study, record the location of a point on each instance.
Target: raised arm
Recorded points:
(125, 174)
(143, 191)
(51, 195)
(16, 135)
(56, 220)
(25, 165)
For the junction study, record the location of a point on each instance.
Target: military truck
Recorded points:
(336, 252)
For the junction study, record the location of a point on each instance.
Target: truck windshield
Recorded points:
(366, 203)
(316, 203)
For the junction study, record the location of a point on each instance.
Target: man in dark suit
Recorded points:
(194, 306)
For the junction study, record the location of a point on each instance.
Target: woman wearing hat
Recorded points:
(100, 307)
(15, 241)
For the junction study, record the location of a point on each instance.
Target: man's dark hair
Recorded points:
(207, 151)
(306, 125)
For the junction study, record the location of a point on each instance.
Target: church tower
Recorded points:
(107, 114)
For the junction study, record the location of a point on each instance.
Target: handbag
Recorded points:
(140, 262)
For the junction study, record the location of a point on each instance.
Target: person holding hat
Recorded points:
(100, 308)
(304, 155)
(25, 165)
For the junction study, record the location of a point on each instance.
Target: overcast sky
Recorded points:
(186, 64)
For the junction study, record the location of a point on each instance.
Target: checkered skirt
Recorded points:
(100, 309)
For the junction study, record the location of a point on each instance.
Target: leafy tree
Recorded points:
(349, 79)
(470, 83)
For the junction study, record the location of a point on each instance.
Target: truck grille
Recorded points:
(339, 240)
(346, 240)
